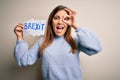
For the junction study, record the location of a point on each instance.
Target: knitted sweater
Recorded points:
(58, 63)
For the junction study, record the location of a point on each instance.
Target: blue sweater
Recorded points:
(57, 61)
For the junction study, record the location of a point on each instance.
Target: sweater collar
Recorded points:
(59, 37)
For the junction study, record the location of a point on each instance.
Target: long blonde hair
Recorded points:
(49, 34)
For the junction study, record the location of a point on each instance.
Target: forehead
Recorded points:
(61, 13)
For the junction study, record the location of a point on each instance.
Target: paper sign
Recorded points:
(34, 27)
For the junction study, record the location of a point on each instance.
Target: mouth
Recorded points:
(59, 29)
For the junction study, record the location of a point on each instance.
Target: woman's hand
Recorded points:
(19, 31)
(70, 18)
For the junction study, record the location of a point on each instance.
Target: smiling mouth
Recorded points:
(59, 29)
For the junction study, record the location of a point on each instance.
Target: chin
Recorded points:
(59, 35)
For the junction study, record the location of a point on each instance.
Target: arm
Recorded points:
(22, 54)
(88, 41)
(25, 56)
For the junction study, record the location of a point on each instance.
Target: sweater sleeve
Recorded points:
(25, 56)
(88, 41)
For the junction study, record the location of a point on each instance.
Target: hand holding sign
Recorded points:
(34, 27)
(19, 31)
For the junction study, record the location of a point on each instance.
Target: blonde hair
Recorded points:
(49, 34)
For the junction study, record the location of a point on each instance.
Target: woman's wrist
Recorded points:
(75, 26)
(19, 38)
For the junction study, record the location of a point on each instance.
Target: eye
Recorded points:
(66, 18)
(56, 17)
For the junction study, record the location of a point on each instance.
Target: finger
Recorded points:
(67, 17)
(20, 24)
(74, 13)
(68, 10)
(19, 30)
(18, 27)
(67, 20)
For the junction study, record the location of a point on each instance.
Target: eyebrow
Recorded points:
(56, 16)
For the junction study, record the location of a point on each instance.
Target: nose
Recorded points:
(60, 21)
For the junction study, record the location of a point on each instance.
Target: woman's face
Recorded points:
(59, 26)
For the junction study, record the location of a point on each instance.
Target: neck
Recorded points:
(59, 37)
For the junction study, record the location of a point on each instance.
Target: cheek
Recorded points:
(53, 23)
(66, 26)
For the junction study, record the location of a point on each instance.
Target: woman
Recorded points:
(58, 49)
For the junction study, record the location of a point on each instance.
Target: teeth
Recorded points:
(60, 27)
